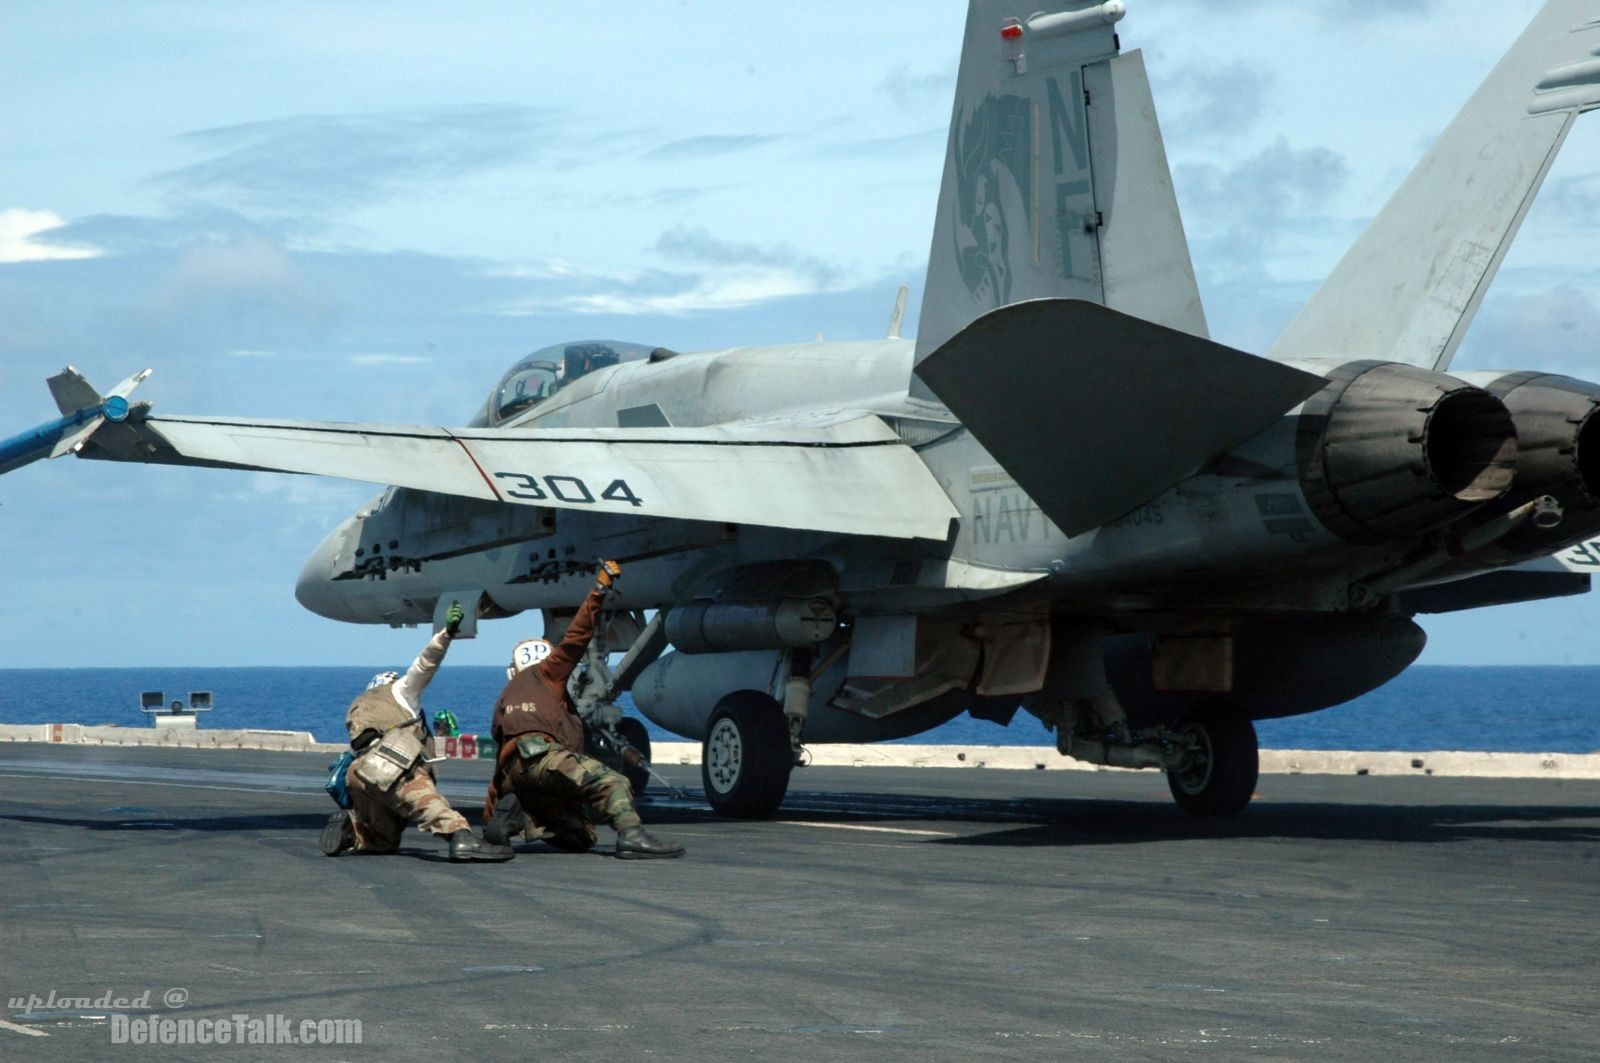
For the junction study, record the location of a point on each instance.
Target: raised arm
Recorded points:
(565, 657)
(409, 687)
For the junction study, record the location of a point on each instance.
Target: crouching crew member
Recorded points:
(544, 786)
(391, 783)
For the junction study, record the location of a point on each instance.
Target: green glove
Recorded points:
(453, 618)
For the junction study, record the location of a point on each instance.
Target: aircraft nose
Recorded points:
(316, 590)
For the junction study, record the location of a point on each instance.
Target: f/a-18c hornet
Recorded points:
(1062, 497)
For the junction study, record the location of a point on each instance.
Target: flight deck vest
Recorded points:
(378, 710)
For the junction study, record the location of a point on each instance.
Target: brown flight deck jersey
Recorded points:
(536, 701)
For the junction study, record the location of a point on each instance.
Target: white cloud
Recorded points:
(710, 293)
(19, 226)
(721, 275)
(717, 288)
(388, 359)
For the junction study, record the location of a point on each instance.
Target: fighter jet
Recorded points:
(1062, 498)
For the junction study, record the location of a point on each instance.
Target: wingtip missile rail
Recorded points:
(55, 438)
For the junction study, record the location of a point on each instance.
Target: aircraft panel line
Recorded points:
(509, 435)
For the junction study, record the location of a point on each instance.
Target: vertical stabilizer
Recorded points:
(1055, 181)
(1144, 255)
(1409, 287)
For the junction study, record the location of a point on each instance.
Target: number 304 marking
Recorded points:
(569, 489)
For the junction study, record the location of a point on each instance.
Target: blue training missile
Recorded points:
(83, 409)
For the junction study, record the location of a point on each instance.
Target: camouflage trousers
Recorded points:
(565, 793)
(381, 815)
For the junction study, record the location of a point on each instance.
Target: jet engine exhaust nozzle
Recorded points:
(1558, 435)
(1388, 451)
(1558, 456)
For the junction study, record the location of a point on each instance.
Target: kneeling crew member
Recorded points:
(541, 770)
(391, 782)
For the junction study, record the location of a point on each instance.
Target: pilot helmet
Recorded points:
(383, 679)
(528, 653)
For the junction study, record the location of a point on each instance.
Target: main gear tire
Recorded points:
(1218, 778)
(746, 759)
(633, 732)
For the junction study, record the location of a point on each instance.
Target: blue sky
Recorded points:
(366, 212)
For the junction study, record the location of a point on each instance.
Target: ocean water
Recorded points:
(1535, 710)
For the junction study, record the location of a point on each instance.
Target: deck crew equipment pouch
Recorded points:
(391, 758)
(336, 786)
(533, 746)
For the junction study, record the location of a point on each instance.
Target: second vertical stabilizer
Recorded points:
(1409, 287)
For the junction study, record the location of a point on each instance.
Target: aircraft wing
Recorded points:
(849, 475)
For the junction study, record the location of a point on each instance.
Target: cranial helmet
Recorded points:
(383, 679)
(528, 653)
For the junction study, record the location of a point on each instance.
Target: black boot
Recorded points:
(636, 843)
(338, 834)
(506, 821)
(465, 845)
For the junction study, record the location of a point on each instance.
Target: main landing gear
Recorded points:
(1209, 756)
(1217, 774)
(747, 756)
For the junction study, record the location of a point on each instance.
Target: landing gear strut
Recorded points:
(619, 742)
(1209, 756)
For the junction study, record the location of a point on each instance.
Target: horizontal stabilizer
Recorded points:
(1492, 588)
(1582, 557)
(1094, 412)
(852, 476)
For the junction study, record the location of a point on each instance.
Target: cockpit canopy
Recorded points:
(546, 371)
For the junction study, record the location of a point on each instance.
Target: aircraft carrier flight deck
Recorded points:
(908, 913)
